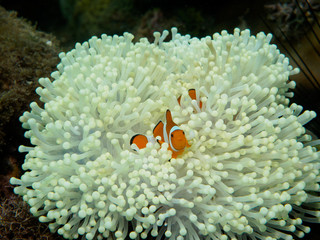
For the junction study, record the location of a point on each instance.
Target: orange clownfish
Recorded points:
(169, 133)
(193, 96)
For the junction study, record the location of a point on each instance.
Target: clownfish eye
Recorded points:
(183, 132)
(171, 134)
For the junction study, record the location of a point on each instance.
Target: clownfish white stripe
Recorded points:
(174, 128)
(165, 135)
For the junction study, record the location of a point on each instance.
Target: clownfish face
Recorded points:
(178, 139)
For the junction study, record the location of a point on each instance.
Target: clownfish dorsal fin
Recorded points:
(179, 100)
(158, 130)
(168, 116)
(169, 121)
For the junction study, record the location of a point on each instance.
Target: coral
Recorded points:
(16, 222)
(290, 16)
(295, 26)
(26, 55)
(251, 171)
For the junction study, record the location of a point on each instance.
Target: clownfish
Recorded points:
(193, 96)
(169, 132)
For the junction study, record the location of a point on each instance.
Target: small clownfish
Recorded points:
(169, 133)
(193, 96)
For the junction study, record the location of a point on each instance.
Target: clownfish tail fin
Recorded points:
(138, 141)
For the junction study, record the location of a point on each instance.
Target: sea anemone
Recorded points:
(251, 171)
